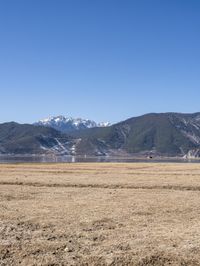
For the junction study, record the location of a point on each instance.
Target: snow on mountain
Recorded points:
(104, 124)
(67, 124)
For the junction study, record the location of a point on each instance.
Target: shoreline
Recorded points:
(41, 158)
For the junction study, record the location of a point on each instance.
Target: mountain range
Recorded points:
(154, 134)
(68, 124)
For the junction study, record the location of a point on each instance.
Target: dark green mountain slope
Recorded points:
(29, 139)
(167, 134)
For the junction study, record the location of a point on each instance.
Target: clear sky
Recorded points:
(106, 60)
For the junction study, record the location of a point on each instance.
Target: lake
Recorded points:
(74, 159)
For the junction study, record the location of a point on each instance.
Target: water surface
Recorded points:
(74, 159)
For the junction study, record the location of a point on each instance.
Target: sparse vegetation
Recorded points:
(100, 214)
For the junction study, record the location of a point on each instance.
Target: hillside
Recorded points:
(169, 134)
(29, 139)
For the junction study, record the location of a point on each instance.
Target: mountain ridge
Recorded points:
(154, 134)
(18, 138)
(169, 134)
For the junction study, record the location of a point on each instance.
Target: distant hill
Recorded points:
(29, 139)
(164, 134)
(69, 124)
(168, 134)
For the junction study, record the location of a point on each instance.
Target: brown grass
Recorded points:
(100, 214)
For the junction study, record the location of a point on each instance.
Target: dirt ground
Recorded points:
(100, 214)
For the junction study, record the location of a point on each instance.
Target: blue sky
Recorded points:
(98, 59)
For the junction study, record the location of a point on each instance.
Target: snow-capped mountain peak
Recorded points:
(55, 119)
(67, 124)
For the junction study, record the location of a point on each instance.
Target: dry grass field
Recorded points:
(100, 214)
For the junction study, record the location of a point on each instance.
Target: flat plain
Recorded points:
(100, 214)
